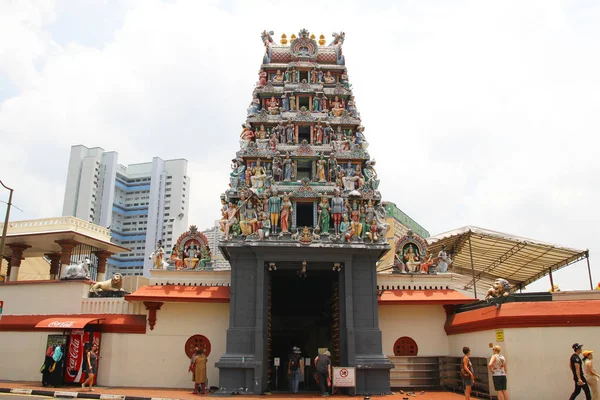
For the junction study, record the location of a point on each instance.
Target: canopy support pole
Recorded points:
(472, 265)
(551, 280)
(587, 258)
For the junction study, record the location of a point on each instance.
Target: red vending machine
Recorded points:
(74, 357)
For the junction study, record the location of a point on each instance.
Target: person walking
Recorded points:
(323, 365)
(199, 371)
(578, 376)
(466, 372)
(56, 371)
(497, 367)
(295, 369)
(590, 373)
(48, 361)
(92, 362)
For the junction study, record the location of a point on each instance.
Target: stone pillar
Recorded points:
(54, 264)
(296, 133)
(102, 256)
(66, 249)
(15, 260)
(310, 103)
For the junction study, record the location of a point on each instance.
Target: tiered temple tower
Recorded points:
(303, 195)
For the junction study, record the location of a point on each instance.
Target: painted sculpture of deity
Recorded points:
(273, 142)
(328, 78)
(443, 260)
(371, 175)
(158, 256)
(262, 78)
(246, 136)
(259, 175)
(274, 207)
(273, 106)
(288, 168)
(373, 233)
(411, 260)
(332, 164)
(249, 220)
(191, 256)
(316, 103)
(237, 175)
(337, 106)
(254, 106)
(321, 164)
(352, 108)
(278, 77)
(292, 103)
(324, 215)
(229, 219)
(286, 213)
(346, 229)
(289, 132)
(337, 208)
(327, 132)
(205, 257)
(285, 102)
(355, 220)
(318, 133)
(344, 80)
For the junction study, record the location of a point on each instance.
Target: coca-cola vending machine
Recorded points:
(74, 357)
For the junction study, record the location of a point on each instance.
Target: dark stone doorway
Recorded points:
(301, 315)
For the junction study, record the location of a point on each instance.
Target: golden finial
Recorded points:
(322, 40)
(312, 36)
(293, 37)
(283, 39)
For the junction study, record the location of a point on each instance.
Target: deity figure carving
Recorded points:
(337, 206)
(318, 133)
(316, 103)
(369, 212)
(346, 229)
(174, 259)
(273, 142)
(261, 133)
(425, 265)
(355, 219)
(278, 77)
(498, 293)
(294, 75)
(337, 42)
(249, 220)
(262, 78)
(288, 168)
(277, 168)
(373, 233)
(157, 256)
(328, 78)
(285, 102)
(324, 215)
(321, 164)
(205, 257)
(258, 177)
(289, 132)
(320, 76)
(327, 132)
(352, 108)
(264, 226)
(332, 163)
(360, 137)
(363, 221)
(237, 175)
(191, 256)
(292, 103)
(268, 43)
(411, 259)
(443, 260)
(344, 80)
(286, 213)
(337, 107)
(314, 76)
(254, 106)
(324, 103)
(370, 174)
(273, 106)
(274, 207)
(246, 136)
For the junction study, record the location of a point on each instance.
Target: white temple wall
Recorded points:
(52, 298)
(158, 359)
(26, 352)
(424, 324)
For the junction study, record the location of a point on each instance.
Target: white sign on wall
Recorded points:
(307, 361)
(344, 377)
(276, 361)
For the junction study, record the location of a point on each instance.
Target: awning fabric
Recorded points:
(65, 322)
(113, 323)
(519, 260)
(181, 293)
(424, 297)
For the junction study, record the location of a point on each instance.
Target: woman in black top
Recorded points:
(91, 367)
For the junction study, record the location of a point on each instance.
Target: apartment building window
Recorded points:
(169, 177)
(167, 208)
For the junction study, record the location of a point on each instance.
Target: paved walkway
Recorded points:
(163, 394)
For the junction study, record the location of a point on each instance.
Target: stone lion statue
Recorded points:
(114, 284)
(77, 271)
(498, 293)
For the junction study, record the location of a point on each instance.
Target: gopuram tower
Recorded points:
(304, 225)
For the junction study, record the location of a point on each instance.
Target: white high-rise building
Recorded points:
(141, 203)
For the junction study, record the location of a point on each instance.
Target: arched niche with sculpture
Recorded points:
(191, 252)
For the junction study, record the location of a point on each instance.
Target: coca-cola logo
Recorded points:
(61, 324)
(73, 356)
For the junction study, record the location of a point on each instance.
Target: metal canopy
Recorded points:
(500, 255)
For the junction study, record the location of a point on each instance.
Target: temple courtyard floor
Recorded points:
(147, 393)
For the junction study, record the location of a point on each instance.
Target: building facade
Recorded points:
(140, 203)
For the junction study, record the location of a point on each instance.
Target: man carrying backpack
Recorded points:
(295, 369)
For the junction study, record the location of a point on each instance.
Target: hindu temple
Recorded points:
(303, 220)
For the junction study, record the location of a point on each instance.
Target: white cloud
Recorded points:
(482, 113)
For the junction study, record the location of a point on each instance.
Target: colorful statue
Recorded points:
(498, 293)
(249, 220)
(268, 42)
(157, 256)
(262, 78)
(321, 163)
(264, 226)
(369, 213)
(229, 219)
(411, 260)
(274, 205)
(363, 222)
(332, 162)
(175, 260)
(355, 219)
(205, 257)
(346, 229)
(285, 102)
(316, 104)
(277, 168)
(273, 106)
(320, 77)
(246, 136)
(286, 213)
(278, 77)
(337, 107)
(443, 260)
(327, 132)
(273, 142)
(425, 265)
(292, 103)
(329, 78)
(373, 233)
(337, 206)
(254, 106)
(324, 215)
(352, 108)
(289, 132)
(318, 133)
(371, 175)
(190, 258)
(344, 80)
(258, 177)
(324, 103)
(288, 168)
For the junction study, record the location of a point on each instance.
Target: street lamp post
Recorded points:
(5, 227)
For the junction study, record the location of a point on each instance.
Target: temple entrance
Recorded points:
(303, 313)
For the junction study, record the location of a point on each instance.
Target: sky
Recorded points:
(482, 113)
